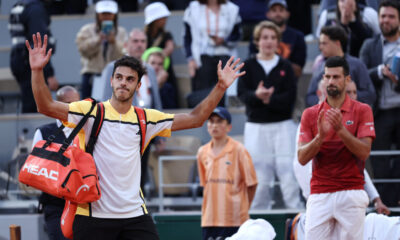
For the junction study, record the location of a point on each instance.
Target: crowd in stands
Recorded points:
(365, 33)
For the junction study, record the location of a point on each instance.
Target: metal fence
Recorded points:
(194, 185)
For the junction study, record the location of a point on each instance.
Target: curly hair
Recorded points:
(132, 63)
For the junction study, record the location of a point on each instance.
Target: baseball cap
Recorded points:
(106, 6)
(222, 113)
(155, 11)
(273, 2)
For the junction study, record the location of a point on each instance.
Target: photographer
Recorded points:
(99, 43)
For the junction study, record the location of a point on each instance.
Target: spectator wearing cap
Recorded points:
(156, 15)
(211, 33)
(292, 45)
(99, 43)
(227, 174)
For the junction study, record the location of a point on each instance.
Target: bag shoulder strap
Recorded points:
(76, 130)
(98, 123)
(141, 116)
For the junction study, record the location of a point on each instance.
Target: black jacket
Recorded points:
(282, 100)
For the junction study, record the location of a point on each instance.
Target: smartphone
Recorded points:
(107, 26)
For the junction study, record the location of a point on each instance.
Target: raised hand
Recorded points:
(229, 73)
(38, 58)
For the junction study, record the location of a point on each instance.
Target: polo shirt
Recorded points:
(225, 179)
(117, 157)
(335, 168)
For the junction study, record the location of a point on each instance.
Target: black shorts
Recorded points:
(136, 228)
(218, 233)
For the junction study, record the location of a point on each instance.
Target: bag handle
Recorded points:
(76, 130)
(51, 138)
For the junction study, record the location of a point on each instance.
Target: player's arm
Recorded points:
(309, 150)
(360, 147)
(251, 191)
(38, 58)
(202, 111)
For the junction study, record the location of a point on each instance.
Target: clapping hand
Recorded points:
(263, 93)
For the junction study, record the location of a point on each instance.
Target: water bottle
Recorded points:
(395, 67)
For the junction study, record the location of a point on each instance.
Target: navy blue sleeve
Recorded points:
(299, 54)
(365, 89)
(187, 40)
(234, 36)
(311, 97)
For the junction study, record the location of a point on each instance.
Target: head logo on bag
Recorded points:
(36, 170)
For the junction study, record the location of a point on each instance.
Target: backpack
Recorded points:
(68, 215)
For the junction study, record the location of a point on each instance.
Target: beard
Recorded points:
(389, 32)
(333, 91)
(280, 22)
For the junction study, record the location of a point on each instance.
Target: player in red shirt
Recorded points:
(337, 135)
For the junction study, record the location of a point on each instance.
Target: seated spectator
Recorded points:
(331, 4)
(332, 41)
(292, 45)
(159, 62)
(269, 92)
(378, 54)
(211, 33)
(99, 43)
(359, 22)
(155, 19)
(155, 58)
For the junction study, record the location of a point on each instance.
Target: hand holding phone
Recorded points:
(107, 26)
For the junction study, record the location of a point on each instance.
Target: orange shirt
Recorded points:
(225, 179)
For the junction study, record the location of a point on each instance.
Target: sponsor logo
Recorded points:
(369, 123)
(36, 170)
(84, 187)
(349, 122)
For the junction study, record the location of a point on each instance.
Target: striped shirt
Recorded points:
(225, 179)
(117, 157)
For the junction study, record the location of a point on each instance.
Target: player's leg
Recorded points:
(260, 147)
(350, 207)
(139, 228)
(91, 228)
(319, 218)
